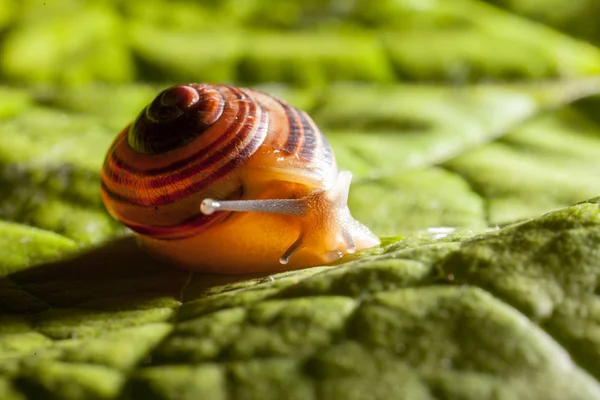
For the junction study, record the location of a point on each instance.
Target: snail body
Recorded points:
(222, 179)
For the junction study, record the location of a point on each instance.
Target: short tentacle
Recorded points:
(294, 247)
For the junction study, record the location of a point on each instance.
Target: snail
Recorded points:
(229, 180)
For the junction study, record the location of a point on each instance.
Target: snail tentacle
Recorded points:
(294, 247)
(275, 206)
(341, 188)
(338, 194)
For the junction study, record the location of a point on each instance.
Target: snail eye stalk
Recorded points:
(275, 206)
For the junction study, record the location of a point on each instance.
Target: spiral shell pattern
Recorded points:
(189, 140)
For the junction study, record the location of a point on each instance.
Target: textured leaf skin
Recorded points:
(472, 156)
(454, 323)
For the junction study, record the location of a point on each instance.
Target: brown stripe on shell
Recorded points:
(244, 130)
(182, 230)
(175, 173)
(175, 117)
(215, 175)
(169, 185)
(176, 164)
(312, 139)
(327, 155)
(186, 228)
(313, 147)
(295, 132)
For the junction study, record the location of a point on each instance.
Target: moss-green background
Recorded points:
(472, 130)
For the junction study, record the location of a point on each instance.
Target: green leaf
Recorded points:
(547, 269)
(336, 56)
(455, 324)
(13, 101)
(49, 174)
(24, 246)
(7, 8)
(54, 47)
(113, 106)
(575, 18)
(546, 163)
(377, 131)
(183, 56)
(405, 203)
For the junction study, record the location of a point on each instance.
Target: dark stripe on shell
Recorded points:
(224, 170)
(163, 127)
(228, 151)
(295, 133)
(189, 226)
(185, 161)
(177, 178)
(327, 151)
(114, 196)
(311, 141)
(185, 229)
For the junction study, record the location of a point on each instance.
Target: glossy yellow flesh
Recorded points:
(244, 243)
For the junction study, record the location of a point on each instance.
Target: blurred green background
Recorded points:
(441, 109)
(421, 99)
(303, 43)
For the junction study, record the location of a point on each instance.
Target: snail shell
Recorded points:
(222, 179)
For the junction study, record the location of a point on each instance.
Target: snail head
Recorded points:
(174, 118)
